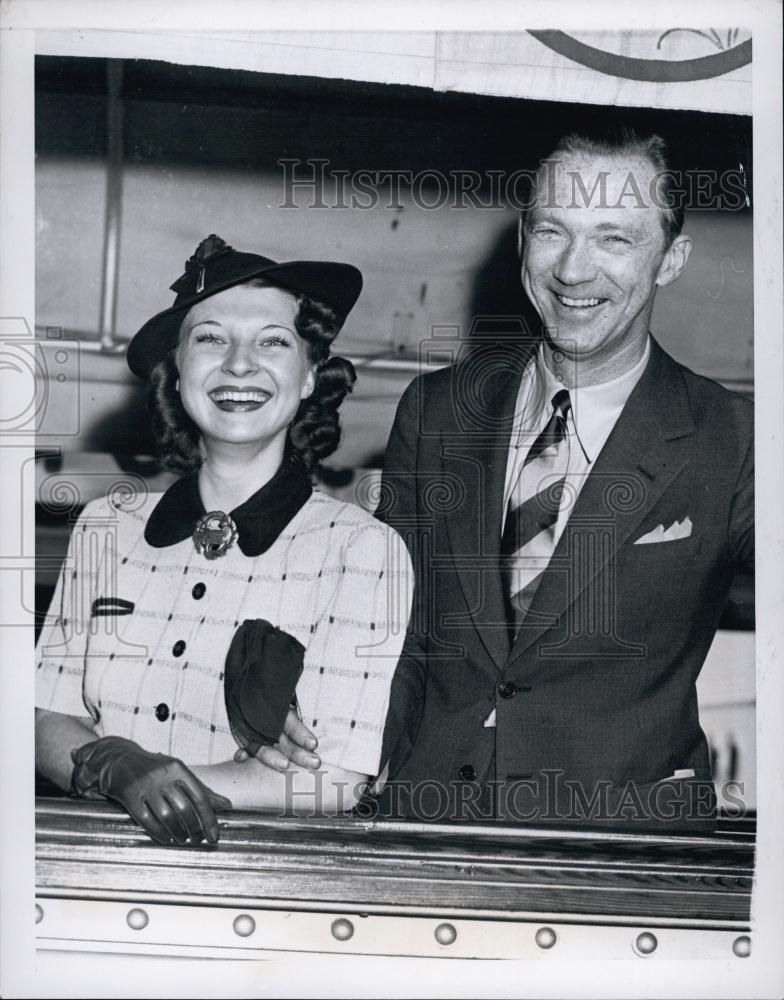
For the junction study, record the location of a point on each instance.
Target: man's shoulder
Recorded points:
(711, 401)
(461, 379)
(432, 384)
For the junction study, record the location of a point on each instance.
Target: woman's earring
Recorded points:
(177, 386)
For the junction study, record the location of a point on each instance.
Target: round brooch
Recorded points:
(214, 534)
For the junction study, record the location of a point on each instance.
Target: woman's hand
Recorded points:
(159, 792)
(298, 791)
(296, 745)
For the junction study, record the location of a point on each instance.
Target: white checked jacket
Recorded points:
(136, 636)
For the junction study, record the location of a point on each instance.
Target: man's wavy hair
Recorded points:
(314, 433)
(619, 139)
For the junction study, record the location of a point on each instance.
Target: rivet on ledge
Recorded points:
(244, 925)
(446, 934)
(39, 914)
(546, 937)
(741, 946)
(137, 919)
(646, 943)
(342, 929)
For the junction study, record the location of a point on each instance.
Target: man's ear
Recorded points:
(674, 260)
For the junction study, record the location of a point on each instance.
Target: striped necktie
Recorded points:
(528, 540)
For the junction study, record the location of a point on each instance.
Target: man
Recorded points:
(600, 500)
(576, 510)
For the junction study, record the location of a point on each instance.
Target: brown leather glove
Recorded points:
(157, 791)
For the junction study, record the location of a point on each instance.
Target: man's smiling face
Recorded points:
(592, 259)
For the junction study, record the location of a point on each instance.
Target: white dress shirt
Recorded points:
(594, 412)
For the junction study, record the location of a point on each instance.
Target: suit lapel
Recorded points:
(637, 464)
(477, 458)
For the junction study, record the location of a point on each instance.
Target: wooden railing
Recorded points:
(380, 887)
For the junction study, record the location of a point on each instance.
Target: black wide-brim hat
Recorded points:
(216, 266)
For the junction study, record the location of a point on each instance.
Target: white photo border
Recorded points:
(24, 974)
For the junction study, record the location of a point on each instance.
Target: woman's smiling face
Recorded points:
(243, 368)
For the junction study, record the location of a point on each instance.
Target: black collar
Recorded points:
(260, 519)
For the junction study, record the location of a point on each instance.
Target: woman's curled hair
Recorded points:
(314, 433)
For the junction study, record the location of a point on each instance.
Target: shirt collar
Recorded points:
(260, 519)
(595, 407)
(534, 400)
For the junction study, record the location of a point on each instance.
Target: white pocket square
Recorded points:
(678, 529)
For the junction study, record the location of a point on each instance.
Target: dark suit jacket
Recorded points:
(595, 700)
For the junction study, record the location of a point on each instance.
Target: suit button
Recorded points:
(467, 772)
(162, 712)
(507, 689)
(178, 648)
(199, 591)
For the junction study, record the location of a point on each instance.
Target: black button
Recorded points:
(507, 689)
(467, 772)
(199, 591)
(178, 648)
(162, 712)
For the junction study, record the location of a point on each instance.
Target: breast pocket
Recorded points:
(660, 583)
(677, 548)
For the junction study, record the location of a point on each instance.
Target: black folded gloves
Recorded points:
(263, 665)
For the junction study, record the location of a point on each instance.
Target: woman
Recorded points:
(178, 631)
